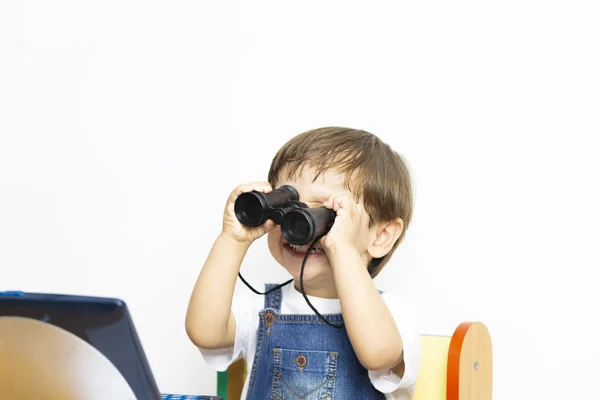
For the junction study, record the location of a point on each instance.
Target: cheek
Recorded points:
(274, 242)
(367, 237)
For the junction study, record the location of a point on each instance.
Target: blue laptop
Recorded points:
(103, 323)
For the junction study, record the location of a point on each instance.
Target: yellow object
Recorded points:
(431, 384)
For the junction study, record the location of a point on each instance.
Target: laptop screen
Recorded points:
(103, 323)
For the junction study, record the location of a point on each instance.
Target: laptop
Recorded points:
(90, 336)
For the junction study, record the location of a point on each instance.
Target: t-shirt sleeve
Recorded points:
(221, 359)
(386, 381)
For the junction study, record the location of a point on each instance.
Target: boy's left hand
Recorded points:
(350, 219)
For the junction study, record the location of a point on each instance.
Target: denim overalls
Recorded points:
(301, 357)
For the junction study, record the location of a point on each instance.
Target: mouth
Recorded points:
(317, 249)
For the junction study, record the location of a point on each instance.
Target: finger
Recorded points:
(329, 202)
(333, 202)
(263, 187)
(322, 241)
(269, 226)
(343, 213)
(345, 202)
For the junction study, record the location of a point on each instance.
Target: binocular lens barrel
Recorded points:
(301, 226)
(253, 208)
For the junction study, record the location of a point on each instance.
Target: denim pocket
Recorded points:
(305, 375)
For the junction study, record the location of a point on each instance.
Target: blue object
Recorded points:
(12, 293)
(104, 323)
(300, 355)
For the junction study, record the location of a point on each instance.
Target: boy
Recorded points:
(290, 352)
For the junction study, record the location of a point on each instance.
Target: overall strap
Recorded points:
(273, 299)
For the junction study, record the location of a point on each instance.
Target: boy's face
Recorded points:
(317, 272)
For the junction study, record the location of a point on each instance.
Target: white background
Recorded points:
(124, 126)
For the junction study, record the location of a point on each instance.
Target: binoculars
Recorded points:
(300, 224)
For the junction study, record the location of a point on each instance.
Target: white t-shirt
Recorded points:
(247, 305)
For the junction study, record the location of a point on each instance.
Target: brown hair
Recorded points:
(373, 171)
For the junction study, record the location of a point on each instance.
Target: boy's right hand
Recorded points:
(233, 228)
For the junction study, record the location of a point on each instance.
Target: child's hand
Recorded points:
(349, 221)
(233, 228)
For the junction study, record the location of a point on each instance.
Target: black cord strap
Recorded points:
(301, 285)
(268, 291)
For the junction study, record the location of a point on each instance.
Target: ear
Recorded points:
(387, 234)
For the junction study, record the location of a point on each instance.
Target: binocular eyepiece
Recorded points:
(300, 224)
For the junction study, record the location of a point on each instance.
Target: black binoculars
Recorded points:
(300, 224)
